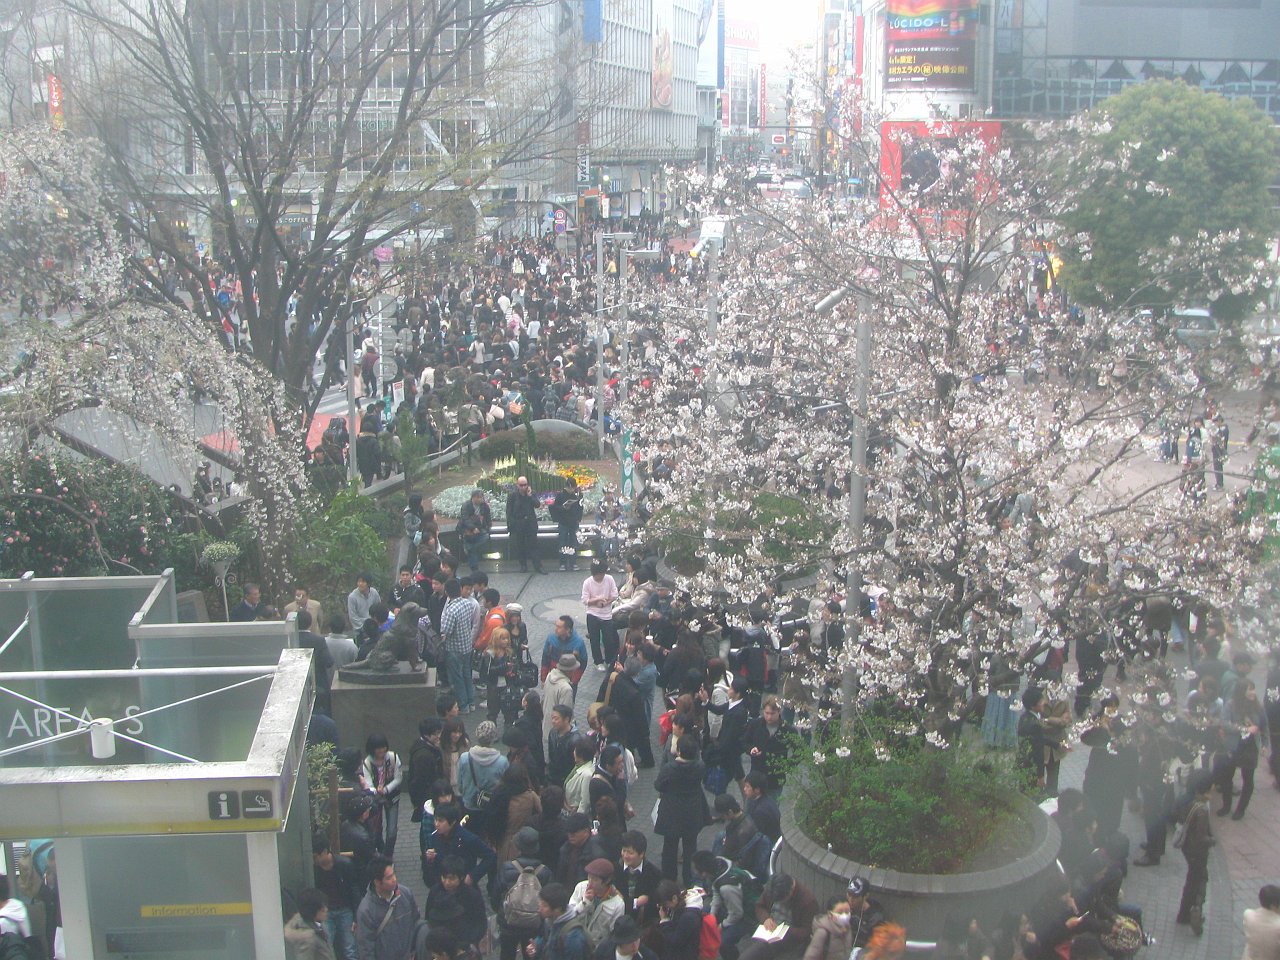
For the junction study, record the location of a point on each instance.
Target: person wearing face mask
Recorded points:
(832, 937)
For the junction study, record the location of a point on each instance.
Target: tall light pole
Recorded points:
(627, 257)
(601, 237)
(857, 506)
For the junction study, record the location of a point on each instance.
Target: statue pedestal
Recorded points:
(388, 703)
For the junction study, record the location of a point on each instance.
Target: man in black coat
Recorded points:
(732, 728)
(320, 657)
(579, 849)
(682, 810)
(637, 879)
(625, 697)
(522, 523)
(337, 879)
(566, 511)
(426, 764)
(761, 807)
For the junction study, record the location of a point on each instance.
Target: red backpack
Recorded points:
(709, 938)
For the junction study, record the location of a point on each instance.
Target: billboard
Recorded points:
(930, 44)
(662, 93)
(917, 154)
(710, 40)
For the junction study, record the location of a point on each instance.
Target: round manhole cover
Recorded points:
(553, 609)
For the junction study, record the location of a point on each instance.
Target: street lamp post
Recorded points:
(627, 257)
(599, 331)
(856, 516)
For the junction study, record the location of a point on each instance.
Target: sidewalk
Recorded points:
(1247, 855)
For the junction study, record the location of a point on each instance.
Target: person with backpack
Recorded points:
(563, 934)
(734, 894)
(679, 925)
(742, 842)
(516, 894)
(480, 770)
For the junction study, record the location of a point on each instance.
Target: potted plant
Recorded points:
(936, 828)
(218, 556)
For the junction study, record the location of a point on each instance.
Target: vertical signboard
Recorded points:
(584, 154)
(764, 99)
(662, 95)
(56, 117)
(930, 44)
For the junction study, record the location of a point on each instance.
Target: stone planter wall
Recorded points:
(922, 901)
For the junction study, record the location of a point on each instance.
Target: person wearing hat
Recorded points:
(518, 629)
(479, 771)
(865, 911)
(624, 943)
(579, 849)
(598, 900)
(514, 932)
(557, 688)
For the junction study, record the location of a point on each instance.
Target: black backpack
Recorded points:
(14, 947)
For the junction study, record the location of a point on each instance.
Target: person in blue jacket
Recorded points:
(444, 836)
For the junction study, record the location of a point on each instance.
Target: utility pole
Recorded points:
(857, 513)
(352, 424)
(601, 237)
(857, 505)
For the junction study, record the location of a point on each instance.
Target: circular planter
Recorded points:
(921, 902)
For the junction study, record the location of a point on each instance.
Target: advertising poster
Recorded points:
(663, 87)
(930, 44)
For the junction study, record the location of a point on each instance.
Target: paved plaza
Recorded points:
(1247, 855)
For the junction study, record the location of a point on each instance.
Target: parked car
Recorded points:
(1194, 327)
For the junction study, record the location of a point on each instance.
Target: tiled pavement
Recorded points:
(1247, 855)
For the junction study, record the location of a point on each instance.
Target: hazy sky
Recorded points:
(783, 23)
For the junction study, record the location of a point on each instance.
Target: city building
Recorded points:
(963, 59)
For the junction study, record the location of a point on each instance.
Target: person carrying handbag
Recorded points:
(1195, 839)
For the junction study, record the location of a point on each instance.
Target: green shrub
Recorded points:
(891, 800)
(52, 507)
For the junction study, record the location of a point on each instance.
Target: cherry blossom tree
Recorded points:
(1011, 504)
(108, 349)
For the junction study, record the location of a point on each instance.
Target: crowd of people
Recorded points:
(528, 836)
(482, 348)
